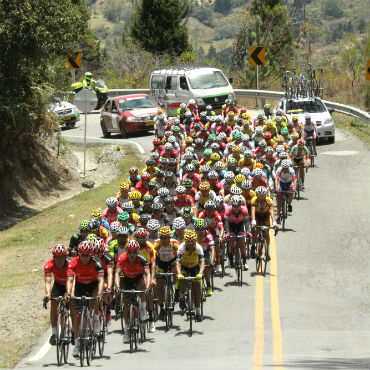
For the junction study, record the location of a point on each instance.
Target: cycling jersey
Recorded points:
(85, 274)
(60, 276)
(183, 201)
(168, 253)
(107, 262)
(190, 259)
(262, 206)
(285, 177)
(202, 200)
(111, 216)
(132, 270)
(148, 252)
(207, 241)
(214, 223)
(236, 223)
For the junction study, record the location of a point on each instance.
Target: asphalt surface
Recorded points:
(312, 311)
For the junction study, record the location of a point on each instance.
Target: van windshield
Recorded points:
(208, 80)
(305, 106)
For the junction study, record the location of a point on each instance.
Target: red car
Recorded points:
(128, 113)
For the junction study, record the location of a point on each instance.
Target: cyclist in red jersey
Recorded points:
(142, 185)
(181, 199)
(56, 266)
(86, 274)
(135, 269)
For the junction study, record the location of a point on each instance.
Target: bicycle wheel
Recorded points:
(190, 311)
(171, 303)
(222, 258)
(60, 338)
(132, 328)
(203, 295)
(121, 310)
(258, 258)
(90, 342)
(283, 213)
(83, 338)
(155, 304)
(67, 336)
(101, 336)
(167, 307)
(298, 190)
(238, 266)
(266, 253)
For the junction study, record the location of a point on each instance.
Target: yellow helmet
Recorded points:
(135, 195)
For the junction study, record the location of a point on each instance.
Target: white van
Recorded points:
(172, 86)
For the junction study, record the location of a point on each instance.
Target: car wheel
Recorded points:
(71, 124)
(331, 139)
(123, 130)
(105, 132)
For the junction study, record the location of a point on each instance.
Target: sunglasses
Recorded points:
(141, 240)
(85, 254)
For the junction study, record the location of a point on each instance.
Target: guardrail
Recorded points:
(265, 94)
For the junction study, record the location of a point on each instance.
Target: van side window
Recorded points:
(157, 82)
(183, 83)
(171, 83)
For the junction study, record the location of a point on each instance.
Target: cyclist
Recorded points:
(190, 262)
(187, 214)
(262, 209)
(205, 239)
(165, 254)
(285, 180)
(123, 194)
(181, 112)
(178, 229)
(142, 185)
(310, 131)
(181, 199)
(192, 107)
(56, 266)
(209, 111)
(300, 157)
(136, 275)
(236, 225)
(203, 195)
(96, 213)
(117, 246)
(85, 277)
(111, 212)
(134, 176)
(153, 226)
(77, 238)
(158, 214)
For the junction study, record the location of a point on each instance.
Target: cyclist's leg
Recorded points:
(231, 248)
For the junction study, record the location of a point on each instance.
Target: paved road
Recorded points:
(311, 312)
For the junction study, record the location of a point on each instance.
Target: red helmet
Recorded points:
(300, 142)
(98, 246)
(243, 110)
(59, 250)
(267, 135)
(145, 176)
(156, 141)
(132, 245)
(141, 233)
(133, 170)
(196, 118)
(85, 247)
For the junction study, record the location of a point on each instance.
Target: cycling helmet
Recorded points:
(135, 195)
(168, 146)
(188, 183)
(96, 213)
(168, 175)
(59, 250)
(85, 247)
(155, 155)
(257, 172)
(204, 186)
(114, 226)
(190, 236)
(210, 204)
(278, 119)
(207, 152)
(246, 185)
(187, 156)
(218, 166)
(189, 139)
(98, 246)
(258, 165)
(280, 148)
(169, 200)
(150, 161)
(235, 190)
(235, 149)
(84, 225)
(123, 216)
(283, 155)
(156, 141)
(229, 175)
(153, 225)
(163, 192)
(153, 185)
(171, 139)
(248, 154)
(245, 137)
(198, 141)
(266, 106)
(144, 217)
(205, 169)
(280, 139)
(176, 128)
(262, 144)
(124, 186)
(219, 201)
(111, 202)
(88, 76)
(180, 189)
(259, 130)
(295, 118)
(295, 135)
(260, 117)
(284, 131)
(300, 142)
(307, 116)
(182, 105)
(209, 107)
(215, 157)
(94, 224)
(235, 200)
(122, 230)
(132, 245)
(191, 102)
(213, 175)
(128, 207)
(285, 163)
(239, 178)
(157, 207)
(187, 212)
(148, 198)
(178, 223)
(165, 231)
(267, 135)
(238, 135)
(200, 224)
(172, 161)
(145, 176)
(167, 133)
(189, 167)
(141, 233)
(269, 150)
(245, 172)
(261, 190)
(215, 146)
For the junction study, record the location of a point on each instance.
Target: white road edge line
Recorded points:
(141, 149)
(41, 353)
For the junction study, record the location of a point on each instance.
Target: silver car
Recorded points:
(67, 113)
(319, 114)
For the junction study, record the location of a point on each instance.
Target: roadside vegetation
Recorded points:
(25, 247)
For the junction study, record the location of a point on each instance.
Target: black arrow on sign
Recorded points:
(368, 71)
(72, 62)
(254, 55)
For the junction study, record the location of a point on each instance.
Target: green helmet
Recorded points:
(212, 137)
(284, 131)
(188, 183)
(123, 216)
(88, 76)
(83, 225)
(187, 212)
(200, 224)
(208, 151)
(232, 161)
(90, 237)
(238, 135)
(267, 106)
(176, 128)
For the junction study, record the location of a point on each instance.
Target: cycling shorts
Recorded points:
(285, 186)
(84, 290)
(190, 271)
(263, 219)
(58, 289)
(298, 161)
(165, 266)
(310, 133)
(131, 283)
(207, 256)
(236, 229)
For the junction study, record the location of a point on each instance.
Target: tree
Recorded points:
(160, 27)
(212, 53)
(223, 6)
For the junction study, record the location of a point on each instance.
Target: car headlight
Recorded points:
(329, 121)
(131, 119)
(200, 101)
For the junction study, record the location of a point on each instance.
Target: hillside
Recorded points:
(332, 20)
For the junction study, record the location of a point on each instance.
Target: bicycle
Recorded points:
(238, 261)
(85, 332)
(284, 207)
(262, 250)
(169, 300)
(137, 327)
(223, 247)
(311, 150)
(297, 170)
(63, 336)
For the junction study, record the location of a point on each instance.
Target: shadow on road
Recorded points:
(186, 332)
(329, 363)
(235, 283)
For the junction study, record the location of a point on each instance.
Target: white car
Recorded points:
(319, 114)
(67, 113)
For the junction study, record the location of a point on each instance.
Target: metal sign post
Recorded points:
(85, 100)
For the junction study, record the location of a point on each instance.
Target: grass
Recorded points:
(24, 248)
(354, 126)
